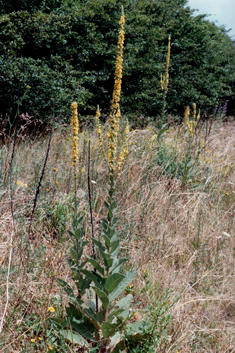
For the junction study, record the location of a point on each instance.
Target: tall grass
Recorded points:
(181, 239)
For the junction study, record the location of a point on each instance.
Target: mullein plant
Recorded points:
(101, 320)
(192, 123)
(75, 130)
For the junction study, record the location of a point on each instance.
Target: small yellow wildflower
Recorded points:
(40, 338)
(55, 169)
(32, 340)
(144, 271)
(51, 309)
(50, 347)
(83, 170)
(21, 184)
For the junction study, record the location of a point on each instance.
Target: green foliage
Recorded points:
(103, 315)
(28, 5)
(153, 330)
(66, 50)
(37, 88)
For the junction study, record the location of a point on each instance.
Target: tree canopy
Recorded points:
(56, 51)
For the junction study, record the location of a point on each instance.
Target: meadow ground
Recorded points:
(176, 205)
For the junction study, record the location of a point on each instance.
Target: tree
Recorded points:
(67, 51)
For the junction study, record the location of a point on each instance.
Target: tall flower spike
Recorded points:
(75, 127)
(118, 68)
(165, 79)
(115, 109)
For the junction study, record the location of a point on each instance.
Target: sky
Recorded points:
(222, 12)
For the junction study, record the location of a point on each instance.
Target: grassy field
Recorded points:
(175, 197)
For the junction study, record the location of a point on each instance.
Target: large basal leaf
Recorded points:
(113, 281)
(85, 329)
(109, 329)
(122, 285)
(74, 337)
(125, 303)
(103, 297)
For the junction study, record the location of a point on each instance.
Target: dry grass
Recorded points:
(175, 234)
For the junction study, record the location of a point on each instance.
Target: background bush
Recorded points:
(66, 50)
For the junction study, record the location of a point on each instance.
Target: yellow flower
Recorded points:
(55, 169)
(40, 338)
(50, 347)
(51, 309)
(32, 340)
(75, 126)
(21, 184)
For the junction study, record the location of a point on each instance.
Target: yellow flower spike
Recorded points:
(75, 127)
(165, 79)
(194, 111)
(118, 69)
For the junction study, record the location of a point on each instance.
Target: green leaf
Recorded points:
(66, 286)
(113, 281)
(78, 233)
(109, 329)
(125, 303)
(85, 329)
(103, 297)
(115, 245)
(74, 255)
(74, 337)
(122, 285)
(107, 240)
(99, 245)
(117, 263)
(70, 234)
(96, 265)
(97, 279)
